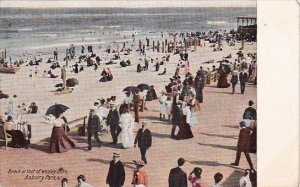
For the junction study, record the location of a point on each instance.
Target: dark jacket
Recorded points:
(177, 178)
(93, 124)
(144, 139)
(234, 79)
(176, 114)
(113, 118)
(243, 77)
(116, 174)
(244, 140)
(250, 113)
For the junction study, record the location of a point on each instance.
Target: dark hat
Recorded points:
(243, 124)
(250, 102)
(197, 171)
(218, 177)
(92, 110)
(180, 161)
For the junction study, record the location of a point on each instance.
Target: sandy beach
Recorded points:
(212, 148)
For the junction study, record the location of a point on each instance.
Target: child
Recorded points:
(168, 107)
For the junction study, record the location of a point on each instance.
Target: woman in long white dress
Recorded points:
(127, 125)
(194, 117)
(162, 108)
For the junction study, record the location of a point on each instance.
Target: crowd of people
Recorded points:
(179, 105)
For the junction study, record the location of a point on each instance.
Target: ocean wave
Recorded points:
(104, 26)
(216, 22)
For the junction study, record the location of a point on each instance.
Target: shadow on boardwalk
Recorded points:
(129, 165)
(220, 135)
(220, 146)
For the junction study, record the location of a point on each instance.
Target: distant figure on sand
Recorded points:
(76, 68)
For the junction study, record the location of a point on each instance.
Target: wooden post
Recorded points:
(243, 44)
(163, 47)
(219, 42)
(175, 43)
(153, 46)
(64, 78)
(195, 44)
(158, 45)
(140, 45)
(5, 54)
(2, 55)
(67, 58)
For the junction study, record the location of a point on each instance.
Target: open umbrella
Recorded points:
(56, 110)
(72, 82)
(131, 89)
(143, 87)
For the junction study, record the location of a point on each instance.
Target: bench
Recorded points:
(81, 130)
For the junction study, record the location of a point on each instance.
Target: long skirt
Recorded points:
(194, 118)
(18, 140)
(59, 141)
(184, 130)
(222, 82)
(126, 138)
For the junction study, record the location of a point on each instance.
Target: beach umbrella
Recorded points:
(72, 82)
(131, 89)
(56, 110)
(143, 87)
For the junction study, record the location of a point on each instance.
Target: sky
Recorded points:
(125, 3)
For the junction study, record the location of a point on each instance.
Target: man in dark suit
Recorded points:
(243, 79)
(113, 121)
(177, 177)
(144, 140)
(93, 129)
(250, 112)
(243, 145)
(116, 172)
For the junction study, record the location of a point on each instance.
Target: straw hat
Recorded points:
(145, 123)
(139, 162)
(116, 154)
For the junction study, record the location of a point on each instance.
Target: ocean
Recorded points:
(38, 30)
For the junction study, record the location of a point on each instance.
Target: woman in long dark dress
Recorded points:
(60, 142)
(222, 81)
(18, 140)
(76, 68)
(253, 138)
(154, 95)
(184, 126)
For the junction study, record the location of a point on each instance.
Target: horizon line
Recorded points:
(124, 4)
